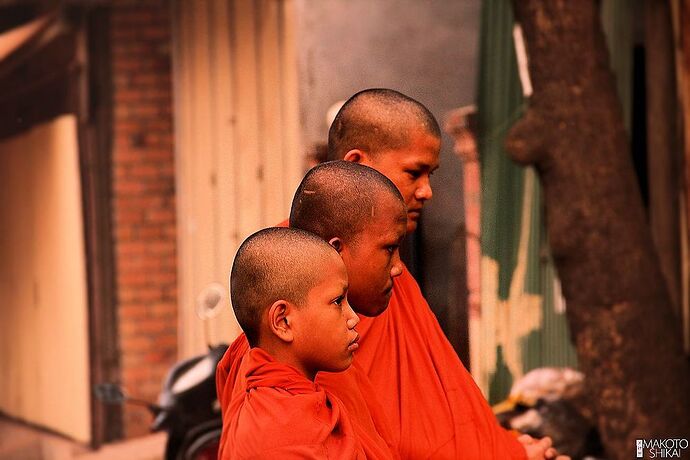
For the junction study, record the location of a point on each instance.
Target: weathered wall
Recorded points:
(237, 136)
(426, 50)
(43, 318)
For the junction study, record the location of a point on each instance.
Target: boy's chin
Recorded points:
(373, 309)
(345, 365)
(412, 224)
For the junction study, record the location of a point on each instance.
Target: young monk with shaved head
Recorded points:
(361, 214)
(363, 218)
(393, 134)
(288, 290)
(437, 411)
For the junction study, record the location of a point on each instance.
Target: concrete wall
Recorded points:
(425, 49)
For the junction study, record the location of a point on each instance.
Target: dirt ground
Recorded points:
(22, 442)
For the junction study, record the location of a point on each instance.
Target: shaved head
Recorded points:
(275, 264)
(339, 199)
(375, 120)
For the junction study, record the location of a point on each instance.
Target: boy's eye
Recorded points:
(339, 300)
(391, 249)
(414, 174)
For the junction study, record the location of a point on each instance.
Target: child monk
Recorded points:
(289, 293)
(361, 214)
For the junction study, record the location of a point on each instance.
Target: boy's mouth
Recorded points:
(354, 344)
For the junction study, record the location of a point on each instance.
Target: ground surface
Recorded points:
(21, 442)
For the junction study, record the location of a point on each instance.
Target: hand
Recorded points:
(540, 449)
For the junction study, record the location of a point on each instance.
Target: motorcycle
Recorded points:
(187, 407)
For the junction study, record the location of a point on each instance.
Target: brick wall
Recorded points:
(143, 200)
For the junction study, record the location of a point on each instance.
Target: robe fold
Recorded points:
(277, 413)
(351, 388)
(436, 409)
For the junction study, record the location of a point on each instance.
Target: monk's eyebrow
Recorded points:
(343, 287)
(424, 167)
(342, 293)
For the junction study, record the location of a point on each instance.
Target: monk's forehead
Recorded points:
(303, 265)
(386, 206)
(394, 117)
(274, 252)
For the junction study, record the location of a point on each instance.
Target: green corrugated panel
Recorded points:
(535, 263)
(558, 353)
(500, 104)
(550, 346)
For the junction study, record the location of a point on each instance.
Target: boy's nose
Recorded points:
(397, 268)
(424, 192)
(352, 319)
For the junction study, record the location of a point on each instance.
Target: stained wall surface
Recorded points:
(427, 50)
(43, 316)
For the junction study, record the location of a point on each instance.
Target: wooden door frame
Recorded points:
(95, 162)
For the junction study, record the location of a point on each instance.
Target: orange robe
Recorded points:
(436, 409)
(280, 414)
(351, 388)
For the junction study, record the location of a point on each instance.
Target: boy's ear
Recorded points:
(355, 156)
(337, 244)
(279, 322)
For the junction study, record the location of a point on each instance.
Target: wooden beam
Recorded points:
(12, 16)
(663, 157)
(38, 84)
(680, 12)
(95, 152)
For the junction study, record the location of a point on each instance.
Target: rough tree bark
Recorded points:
(627, 337)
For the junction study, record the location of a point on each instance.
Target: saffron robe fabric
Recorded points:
(435, 407)
(368, 420)
(279, 413)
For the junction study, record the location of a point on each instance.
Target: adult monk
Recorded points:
(361, 214)
(437, 410)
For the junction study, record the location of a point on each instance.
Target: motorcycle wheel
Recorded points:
(202, 445)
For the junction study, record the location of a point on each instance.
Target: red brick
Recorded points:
(125, 216)
(142, 294)
(140, 202)
(149, 233)
(151, 328)
(139, 264)
(127, 186)
(130, 156)
(147, 170)
(162, 308)
(159, 125)
(132, 279)
(144, 197)
(163, 277)
(160, 215)
(129, 248)
(124, 232)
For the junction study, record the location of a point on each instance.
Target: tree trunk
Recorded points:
(628, 340)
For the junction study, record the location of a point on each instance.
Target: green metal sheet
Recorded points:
(507, 193)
